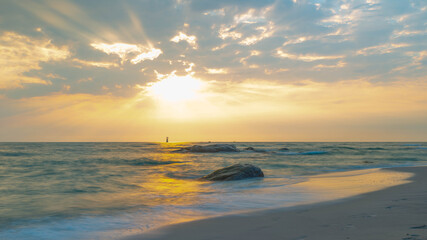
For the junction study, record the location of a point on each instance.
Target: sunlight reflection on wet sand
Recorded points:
(346, 184)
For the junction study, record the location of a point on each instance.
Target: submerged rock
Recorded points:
(234, 172)
(255, 150)
(284, 149)
(210, 148)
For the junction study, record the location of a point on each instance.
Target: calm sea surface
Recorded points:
(109, 190)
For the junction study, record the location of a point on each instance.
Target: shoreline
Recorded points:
(396, 211)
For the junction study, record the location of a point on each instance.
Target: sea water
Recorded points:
(111, 190)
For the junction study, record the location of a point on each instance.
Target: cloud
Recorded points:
(265, 31)
(152, 54)
(88, 79)
(229, 32)
(339, 64)
(381, 49)
(20, 54)
(305, 46)
(191, 40)
(251, 25)
(134, 53)
(216, 12)
(55, 76)
(96, 64)
(418, 57)
(216, 70)
(305, 57)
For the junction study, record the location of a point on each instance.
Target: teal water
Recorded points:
(109, 190)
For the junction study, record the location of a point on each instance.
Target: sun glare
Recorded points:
(173, 88)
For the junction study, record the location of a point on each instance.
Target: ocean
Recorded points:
(111, 190)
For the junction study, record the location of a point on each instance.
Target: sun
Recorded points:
(173, 88)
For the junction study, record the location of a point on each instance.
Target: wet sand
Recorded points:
(395, 207)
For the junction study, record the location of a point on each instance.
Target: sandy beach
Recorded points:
(394, 206)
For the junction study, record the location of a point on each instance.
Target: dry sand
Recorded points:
(398, 212)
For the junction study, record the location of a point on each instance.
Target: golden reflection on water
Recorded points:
(347, 184)
(153, 185)
(162, 188)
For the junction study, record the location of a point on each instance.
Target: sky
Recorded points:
(203, 70)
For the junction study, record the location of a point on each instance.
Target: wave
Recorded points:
(408, 159)
(352, 148)
(15, 154)
(84, 190)
(303, 153)
(339, 147)
(146, 162)
(132, 162)
(287, 165)
(375, 148)
(185, 175)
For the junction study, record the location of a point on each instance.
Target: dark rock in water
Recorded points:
(368, 162)
(283, 149)
(234, 172)
(210, 148)
(254, 149)
(420, 227)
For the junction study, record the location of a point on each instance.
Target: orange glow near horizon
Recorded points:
(222, 111)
